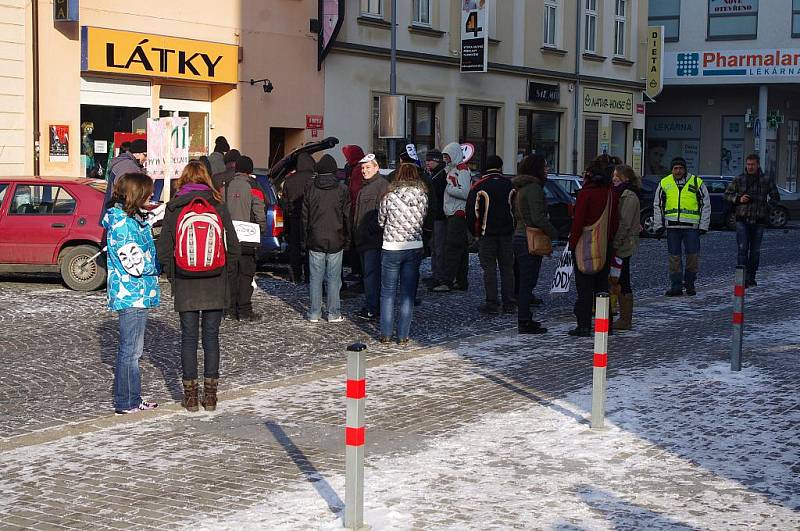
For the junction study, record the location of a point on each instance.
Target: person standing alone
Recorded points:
(751, 193)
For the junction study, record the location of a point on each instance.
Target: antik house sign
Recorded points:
(607, 102)
(124, 52)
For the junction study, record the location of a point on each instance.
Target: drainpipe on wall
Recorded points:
(393, 79)
(36, 131)
(575, 93)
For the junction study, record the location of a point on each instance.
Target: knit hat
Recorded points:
(232, 156)
(493, 162)
(244, 165)
(326, 164)
(434, 154)
(678, 161)
(221, 145)
(139, 146)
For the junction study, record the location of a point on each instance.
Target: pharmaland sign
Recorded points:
(732, 66)
(125, 52)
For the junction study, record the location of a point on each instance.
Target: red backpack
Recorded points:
(199, 240)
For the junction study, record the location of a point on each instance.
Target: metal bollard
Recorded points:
(600, 360)
(354, 434)
(738, 319)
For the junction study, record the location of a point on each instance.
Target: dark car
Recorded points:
(721, 210)
(560, 207)
(50, 224)
(272, 241)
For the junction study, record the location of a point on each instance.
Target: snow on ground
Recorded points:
(656, 466)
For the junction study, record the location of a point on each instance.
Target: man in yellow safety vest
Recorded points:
(682, 207)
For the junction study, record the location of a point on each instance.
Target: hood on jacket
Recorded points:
(521, 181)
(453, 150)
(353, 154)
(305, 162)
(326, 181)
(326, 164)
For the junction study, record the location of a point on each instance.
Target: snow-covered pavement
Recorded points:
(485, 433)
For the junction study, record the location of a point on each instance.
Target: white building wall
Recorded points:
(12, 87)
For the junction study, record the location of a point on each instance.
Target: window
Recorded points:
(550, 18)
(479, 128)
(666, 13)
(380, 146)
(669, 137)
(619, 28)
(371, 8)
(732, 154)
(591, 137)
(732, 22)
(538, 133)
(422, 12)
(795, 18)
(619, 139)
(421, 125)
(792, 154)
(40, 199)
(590, 26)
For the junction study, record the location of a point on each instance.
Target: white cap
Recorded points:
(368, 158)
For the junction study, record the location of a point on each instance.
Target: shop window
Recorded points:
(99, 124)
(669, 137)
(380, 146)
(479, 128)
(421, 125)
(38, 199)
(732, 155)
(795, 18)
(792, 154)
(421, 12)
(619, 139)
(666, 13)
(619, 28)
(372, 8)
(591, 137)
(770, 165)
(198, 130)
(732, 22)
(590, 26)
(538, 133)
(550, 22)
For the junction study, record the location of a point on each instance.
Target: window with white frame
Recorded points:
(550, 22)
(619, 28)
(422, 12)
(590, 26)
(732, 22)
(372, 8)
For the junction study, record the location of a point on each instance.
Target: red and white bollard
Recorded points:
(601, 325)
(738, 319)
(354, 436)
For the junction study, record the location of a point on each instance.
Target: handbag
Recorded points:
(539, 242)
(590, 252)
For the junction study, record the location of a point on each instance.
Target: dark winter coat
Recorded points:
(530, 206)
(296, 184)
(761, 190)
(193, 294)
(244, 200)
(326, 214)
(592, 201)
(219, 179)
(354, 178)
(368, 234)
(438, 183)
(490, 206)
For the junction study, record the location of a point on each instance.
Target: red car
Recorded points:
(50, 224)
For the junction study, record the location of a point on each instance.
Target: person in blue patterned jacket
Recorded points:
(132, 285)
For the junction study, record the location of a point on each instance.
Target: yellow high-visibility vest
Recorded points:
(682, 204)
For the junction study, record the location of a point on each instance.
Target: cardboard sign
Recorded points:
(247, 232)
(563, 273)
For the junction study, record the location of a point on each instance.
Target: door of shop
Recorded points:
(193, 103)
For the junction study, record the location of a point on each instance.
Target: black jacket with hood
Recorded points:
(326, 210)
(295, 186)
(438, 180)
(490, 205)
(193, 294)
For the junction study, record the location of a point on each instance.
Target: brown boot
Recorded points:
(190, 395)
(210, 393)
(625, 312)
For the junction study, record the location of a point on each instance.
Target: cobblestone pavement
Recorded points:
(482, 432)
(58, 346)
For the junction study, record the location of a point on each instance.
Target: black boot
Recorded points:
(530, 327)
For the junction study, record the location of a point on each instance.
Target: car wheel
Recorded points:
(647, 220)
(778, 217)
(80, 273)
(730, 220)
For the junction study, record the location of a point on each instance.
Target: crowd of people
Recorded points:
(381, 226)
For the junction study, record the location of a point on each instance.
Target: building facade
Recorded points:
(114, 64)
(732, 87)
(545, 92)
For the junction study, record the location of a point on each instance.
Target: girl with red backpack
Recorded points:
(197, 241)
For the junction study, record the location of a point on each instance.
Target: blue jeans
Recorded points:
(371, 275)
(402, 266)
(327, 266)
(748, 239)
(529, 266)
(127, 380)
(687, 240)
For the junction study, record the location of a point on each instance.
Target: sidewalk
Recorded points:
(485, 432)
